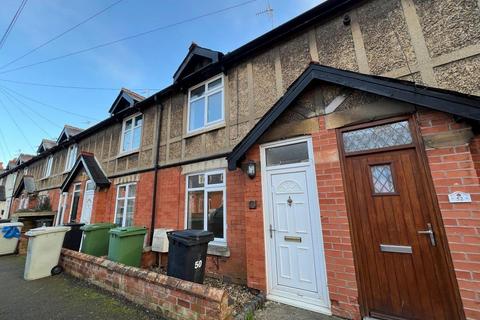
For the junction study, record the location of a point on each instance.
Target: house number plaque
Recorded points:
(459, 197)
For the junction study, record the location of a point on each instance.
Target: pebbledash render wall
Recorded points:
(434, 42)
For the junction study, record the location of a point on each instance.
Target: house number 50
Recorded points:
(198, 264)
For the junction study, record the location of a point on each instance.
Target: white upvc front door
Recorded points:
(295, 256)
(87, 205)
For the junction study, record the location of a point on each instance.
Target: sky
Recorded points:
(145, 64)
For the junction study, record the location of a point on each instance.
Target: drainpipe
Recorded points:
(155, 177)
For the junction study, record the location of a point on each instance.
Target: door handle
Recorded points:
(271, 231)
(430, 233)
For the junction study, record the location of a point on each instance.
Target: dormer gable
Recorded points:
(67, 133)
(22, 158)
(45, 145)
(196, 59)
(125, 99)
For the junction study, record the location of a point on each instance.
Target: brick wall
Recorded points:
(336, 235)
(254, 226)
(171, 214)
(172, 298)
(336, 231)
(455, 168)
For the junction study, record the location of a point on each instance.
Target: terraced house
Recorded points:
(335, 158)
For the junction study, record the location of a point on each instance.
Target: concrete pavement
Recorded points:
(57, 298)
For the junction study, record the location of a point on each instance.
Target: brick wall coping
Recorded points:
(201, 291)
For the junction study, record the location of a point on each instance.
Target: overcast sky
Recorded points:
(146, 62)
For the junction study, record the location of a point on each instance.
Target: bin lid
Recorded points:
(45, 230)
(11, 224)
(191, 237)
(98, 226)
(73, 224)
(128, 231)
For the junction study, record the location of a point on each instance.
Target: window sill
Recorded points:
(218, 249)
(206, 129)
(127, 153)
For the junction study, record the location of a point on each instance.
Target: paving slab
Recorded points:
(57, 298)
(277, 311)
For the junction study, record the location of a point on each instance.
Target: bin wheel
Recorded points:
(56, 270)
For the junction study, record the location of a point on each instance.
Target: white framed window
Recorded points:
(47, 170)
(24, 199)
(77, 190)
(205, 209)
(205, 104)
(131, 133)
(71, 157)
(125, 205)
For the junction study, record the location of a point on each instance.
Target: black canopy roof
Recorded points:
(27, 183)
(88, 162)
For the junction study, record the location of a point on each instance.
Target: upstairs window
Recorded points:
(71, 157)
(132, 133)
(205, 105)
(47, 171)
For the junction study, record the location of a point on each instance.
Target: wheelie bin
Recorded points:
(43, 252)
(9, 235)
(126, 245)
(73, 238)
(187, 254)
(95, 238)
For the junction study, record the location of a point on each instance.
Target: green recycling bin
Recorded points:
(95, 238)
(126, 245)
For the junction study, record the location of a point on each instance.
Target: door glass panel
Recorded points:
(90, 186)
(382, 179)
(288, 154)
(384, 136)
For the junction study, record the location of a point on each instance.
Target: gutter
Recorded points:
(155, 177)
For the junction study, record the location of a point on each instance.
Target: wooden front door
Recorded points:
(404, 269)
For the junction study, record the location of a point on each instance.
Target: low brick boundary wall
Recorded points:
(171, 297)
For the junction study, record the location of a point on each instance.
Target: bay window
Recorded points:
(125, 205)
(205, 105)
(131, 133)
(206, 203)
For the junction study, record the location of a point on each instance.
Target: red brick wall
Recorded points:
(333, 213)
(171, 214)
(336, 232)
(455, 168)
(172, 298)
(254, 226)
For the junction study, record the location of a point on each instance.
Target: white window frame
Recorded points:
(24, 199)
(125, 202)
(62, 205)
(70, 162)
(209, 188)
(75, 187)
(133, 127)
(205, 96)
(47, 171)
